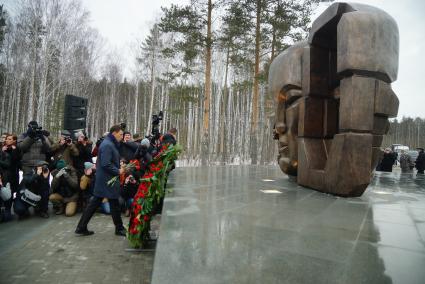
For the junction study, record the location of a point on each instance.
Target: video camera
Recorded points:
(45, 169)
(37, 130)
(156, 119)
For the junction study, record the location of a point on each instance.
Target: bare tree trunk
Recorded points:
(33, 70)
(207, 87)
(152, 91)
(224, 117)
(254, 118)
(136, 105)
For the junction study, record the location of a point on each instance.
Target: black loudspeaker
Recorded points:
(75, 113)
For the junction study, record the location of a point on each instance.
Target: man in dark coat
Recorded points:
(107, 167)
(388, 161)
(420, 161)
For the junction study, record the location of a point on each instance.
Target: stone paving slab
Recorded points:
(37, 250)
(253, 224)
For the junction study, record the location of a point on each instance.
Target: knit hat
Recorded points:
(145, 142)
(41, 163)
(88, 165)
(60, 164)
(79, 133)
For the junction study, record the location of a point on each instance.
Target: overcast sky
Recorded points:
(121, 22)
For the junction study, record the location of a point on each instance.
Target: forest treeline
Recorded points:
(204, 64)
(407, 131)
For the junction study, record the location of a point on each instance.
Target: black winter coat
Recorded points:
(420, 162)
(13, 170)
(388, 162)
(127, 150)
(84, 156)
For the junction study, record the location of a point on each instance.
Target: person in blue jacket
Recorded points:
(107, 167)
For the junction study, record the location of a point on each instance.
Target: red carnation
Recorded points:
(148, 175)
(134, 231)
(146, 218)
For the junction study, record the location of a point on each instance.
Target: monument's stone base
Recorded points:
(247, 224)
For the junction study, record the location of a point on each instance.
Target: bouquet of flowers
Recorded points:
(127, 168)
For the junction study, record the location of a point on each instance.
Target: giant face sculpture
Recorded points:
(334, 98)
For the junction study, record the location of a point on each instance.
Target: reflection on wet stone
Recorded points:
(218, 226)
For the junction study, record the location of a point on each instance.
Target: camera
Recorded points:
(45, 169)
(156, 119)
(38, 130)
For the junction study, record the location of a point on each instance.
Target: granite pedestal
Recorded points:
(248, 224)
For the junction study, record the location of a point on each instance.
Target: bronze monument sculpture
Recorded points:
(334, 98)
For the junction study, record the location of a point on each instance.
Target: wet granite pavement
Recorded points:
(247, 224)
(237, 224)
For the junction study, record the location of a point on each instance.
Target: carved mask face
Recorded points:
(334, 98)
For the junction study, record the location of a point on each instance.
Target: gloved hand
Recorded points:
(41, 136)
(45, 133)
(61, 173)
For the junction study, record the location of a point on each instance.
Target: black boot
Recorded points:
(121, 232)
(87, 215)
(83, 232)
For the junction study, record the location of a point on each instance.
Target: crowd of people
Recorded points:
(407, 164)
(35, 170)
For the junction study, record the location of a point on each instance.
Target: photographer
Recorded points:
(34, 146)
(64, 149)
(127, 147)
(87, 186)
(65, 189)
(130, 184)
(143, 155)
(84, 147)
(34, 192)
